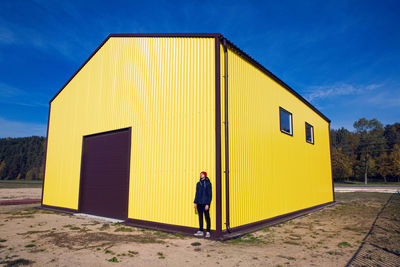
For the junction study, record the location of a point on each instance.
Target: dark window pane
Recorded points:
(309, 133)
(286, 121)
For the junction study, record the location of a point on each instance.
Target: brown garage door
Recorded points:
(104, 185)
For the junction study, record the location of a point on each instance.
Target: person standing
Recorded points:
(202, 203)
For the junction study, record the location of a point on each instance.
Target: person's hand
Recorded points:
(195, 206)
(207, 207)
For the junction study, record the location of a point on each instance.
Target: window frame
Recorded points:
(291, 121)
(312, 133)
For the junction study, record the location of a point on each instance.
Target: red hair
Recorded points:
(205, 174)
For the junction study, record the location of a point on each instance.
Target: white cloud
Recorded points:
(8, 91)
(325, 91)
(68, 44)
(21, 129)
(385, 100)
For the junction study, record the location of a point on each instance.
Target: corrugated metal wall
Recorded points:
(164, 88)
(271, 173)
(223, 144)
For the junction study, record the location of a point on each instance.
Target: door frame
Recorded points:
(84, 137)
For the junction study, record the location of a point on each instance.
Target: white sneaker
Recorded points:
(199, 233)
(208, 235)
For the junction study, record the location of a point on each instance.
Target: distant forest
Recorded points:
(370, 153)
(22, 158)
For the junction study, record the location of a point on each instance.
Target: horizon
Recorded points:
(342, 57)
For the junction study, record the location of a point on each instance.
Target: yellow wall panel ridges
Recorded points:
(164, 88)
(271, 173)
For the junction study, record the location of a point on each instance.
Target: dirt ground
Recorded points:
(328, 237)
(20, 193)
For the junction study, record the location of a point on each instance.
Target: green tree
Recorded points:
(31, 174)
(385, 165)
(395, 160)
(20, 155)
(372, 142)
(2, 168)
(392, 134)
(341, 164)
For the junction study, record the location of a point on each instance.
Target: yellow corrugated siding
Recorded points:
(164, 88)
(271, 173)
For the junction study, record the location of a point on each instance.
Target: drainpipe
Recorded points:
(228, 228)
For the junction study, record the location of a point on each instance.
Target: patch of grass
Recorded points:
(344, 244)
(33, 232)
(160, 255)
(84, 230)
(107, 251)
(287, 257)
(17, 262)
(161, 234)
(179, 235)
(113, 259)
(353, 228)
(195, 244)
(91, 223)
(267, 230)
(30, 245)
(20, 183)
(23, 212)
(72, 227)
(332, 252)
(132, 253)
(104, 227)
(3, 240)
(37, 250)
(91, 240)
(291, 242)
(19, 217)
(123, 229)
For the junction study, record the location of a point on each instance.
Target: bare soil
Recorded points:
(328, 237)
(20, 193)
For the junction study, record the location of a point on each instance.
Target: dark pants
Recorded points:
(202, 209)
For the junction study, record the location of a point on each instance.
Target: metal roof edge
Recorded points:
(274, 77)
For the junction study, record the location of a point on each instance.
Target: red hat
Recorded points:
(205, 174)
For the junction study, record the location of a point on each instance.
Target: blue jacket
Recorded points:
(203, 192)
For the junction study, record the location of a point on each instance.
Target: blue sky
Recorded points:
(343, 56)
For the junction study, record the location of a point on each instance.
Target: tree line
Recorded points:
(371, 152)
(22, 158)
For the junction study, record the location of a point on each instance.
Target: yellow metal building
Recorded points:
(132, 129)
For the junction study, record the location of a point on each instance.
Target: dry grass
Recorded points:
(326, 237)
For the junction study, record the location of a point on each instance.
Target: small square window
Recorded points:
(286, 121)
(309, 133)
